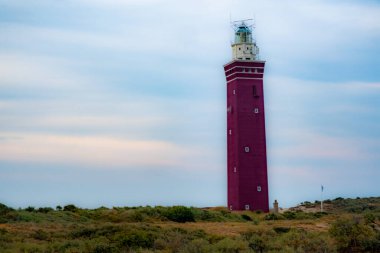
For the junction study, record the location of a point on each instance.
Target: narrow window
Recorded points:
(231, 207)
(230, 132)
(259, 188)
(255, 70)
(256, 110)
(246, 207)
(248, 59)
(233, 92)
(246, 149)
(254, 91)
(234, 169)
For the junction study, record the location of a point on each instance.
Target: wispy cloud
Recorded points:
(94, 151)
(317, 146)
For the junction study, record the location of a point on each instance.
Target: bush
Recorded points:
(179, 214)
(256, 243)
(281, 230)
(289, 215)
(30, 209)
(137, 239)
(228, 245)
(44, 209)
(351, 233)
(246, 217)
(70, 208)
(41, 235)
(197, 246)
(7, 213)
(273, 216)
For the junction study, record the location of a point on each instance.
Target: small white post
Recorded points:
(321, 198)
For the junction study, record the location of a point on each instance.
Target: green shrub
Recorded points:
(257, 243)
(179, 214)
(281, 230)
(30, 209)
(7, 214)
(352, 233)
(41, 235)
(103, 248)
(196, 246)
(44, 209)
(137, 239)
(246, 217)
(289, 215)
(273, 216)
(229, 245)
(70, 208)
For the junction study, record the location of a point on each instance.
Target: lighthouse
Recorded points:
(247, 180)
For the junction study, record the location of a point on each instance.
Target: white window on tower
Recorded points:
(259, 188)
(233, 92)
(230, 132)
(246, 149)
(246, 207)
(231, 207)
(256, 110)
(234, 169)
(255, 70)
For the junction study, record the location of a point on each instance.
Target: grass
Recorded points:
(349, 225)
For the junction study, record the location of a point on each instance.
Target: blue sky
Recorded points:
(123, 102)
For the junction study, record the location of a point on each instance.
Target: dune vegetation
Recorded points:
(347, 225)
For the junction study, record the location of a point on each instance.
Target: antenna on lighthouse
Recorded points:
(235, 24)
(244, 46)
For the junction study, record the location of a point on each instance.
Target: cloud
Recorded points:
(23, 72)
(316, 146)
(94, 151)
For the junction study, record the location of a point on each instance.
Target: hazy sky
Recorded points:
(122, 102)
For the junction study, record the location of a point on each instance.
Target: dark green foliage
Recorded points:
(370, 218)
(319, 214)
(41, 235)
(246, 217)
(137, 239)
(7, 214)
(308, 204)
(257, 244)
(149, 229)
(30, 209)
(273, 216)
(58, 208)
(289, 215)
(104, 248)
(351, 233)
(357, 205)
(44, 209)
(4, 210)
(70, 208)
(179, 214)
(281, 230)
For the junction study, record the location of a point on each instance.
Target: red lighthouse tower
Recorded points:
(246, 143)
